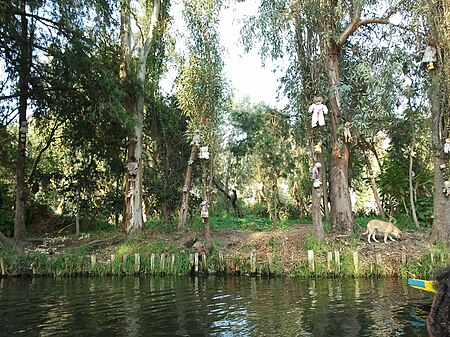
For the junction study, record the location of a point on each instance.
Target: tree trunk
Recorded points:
(316, 214)
(325, 198)
(133, 203)
(231, 197)
(133, 215)
(274, 201)
(21, 188)
(186, 189)
(410, 179)
(7, 242)
(317, 192)
(341, 215)
(206, 184)
(441, 220)
(364, 148)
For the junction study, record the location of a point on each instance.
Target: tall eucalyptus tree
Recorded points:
(136, 47)
(438, 18)
(199, 92)
(336, 22)
(37, 39)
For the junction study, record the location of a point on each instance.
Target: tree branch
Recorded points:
(146, 48)
(41, 152)
(357, 22)
(40, 91)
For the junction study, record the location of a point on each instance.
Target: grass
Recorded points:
(156, 254)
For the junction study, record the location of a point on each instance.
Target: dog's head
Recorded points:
(397, 232)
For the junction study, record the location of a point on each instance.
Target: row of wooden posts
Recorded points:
(226, 264)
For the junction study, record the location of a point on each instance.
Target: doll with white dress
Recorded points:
(318, 111)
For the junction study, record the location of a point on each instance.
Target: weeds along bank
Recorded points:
(255, 255)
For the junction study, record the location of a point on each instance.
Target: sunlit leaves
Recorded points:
(200, 83)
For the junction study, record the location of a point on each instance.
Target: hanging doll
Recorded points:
(446, 188)
(318, 110)
(318, 148)
(447, 146)
(347, 134)
(429, 56)
(315, 175)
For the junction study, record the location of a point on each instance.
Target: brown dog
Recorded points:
(378, 226)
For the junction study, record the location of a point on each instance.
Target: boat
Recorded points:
(422, 285)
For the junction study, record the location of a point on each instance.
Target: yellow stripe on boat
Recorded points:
(422, 285)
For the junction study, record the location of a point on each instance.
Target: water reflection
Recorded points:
(211, 306)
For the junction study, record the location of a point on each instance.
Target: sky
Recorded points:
(243, 70)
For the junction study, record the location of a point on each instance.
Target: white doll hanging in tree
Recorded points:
(318, 111)
(429, 56)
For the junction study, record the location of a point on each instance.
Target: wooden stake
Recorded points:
(93, 260)
(124, 262)
(196, 263)
(152, 262)
(112, 259)
(221, 262)
(137, 263)
(191, 261)
(204, 265)
(172, 263)
(253, 262)
(2, 266)
(329, 261)
(163, 260)
(311, 261)
(356, 262)
(337, 259)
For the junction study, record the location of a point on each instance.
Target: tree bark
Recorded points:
(316, 214)
(364, 148)
(441, 215)
(133, 203)
(231, 197)
(7, 242)
(21, 187)
(341, 215)
(186, 189)
(410, 180)
(206, 184)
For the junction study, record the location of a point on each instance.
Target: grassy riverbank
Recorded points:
(238, 246)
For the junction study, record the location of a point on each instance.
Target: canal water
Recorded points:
(211, 306)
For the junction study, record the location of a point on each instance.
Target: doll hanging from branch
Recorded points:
(318, 110)
(429, 56)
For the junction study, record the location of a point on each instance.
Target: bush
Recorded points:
(6, 211)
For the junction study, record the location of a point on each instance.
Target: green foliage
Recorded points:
(315, 244)
(6, 214)
(424, 210)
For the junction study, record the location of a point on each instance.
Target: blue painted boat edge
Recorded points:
(417, 283)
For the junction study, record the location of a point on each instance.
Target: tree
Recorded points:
(261, 137)
(335, 23)
(438, 20)
(199, 92)
(34, 41)
(133, 76)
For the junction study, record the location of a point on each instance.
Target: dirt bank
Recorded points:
(290, 245)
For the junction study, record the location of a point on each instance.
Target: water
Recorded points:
(210, 306)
